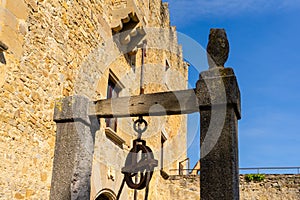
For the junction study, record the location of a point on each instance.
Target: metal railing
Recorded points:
(248, 170)
(272, 170)
(184, 171)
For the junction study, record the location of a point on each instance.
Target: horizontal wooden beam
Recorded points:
(157, 104)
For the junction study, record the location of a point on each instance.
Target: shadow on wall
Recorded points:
(2, 58)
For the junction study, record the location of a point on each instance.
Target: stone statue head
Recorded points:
(217, 48)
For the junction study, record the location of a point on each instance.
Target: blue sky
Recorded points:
(264, 41)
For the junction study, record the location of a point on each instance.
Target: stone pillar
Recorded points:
(74, 148)
(218, 90)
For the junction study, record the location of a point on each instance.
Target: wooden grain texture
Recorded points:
(157, 104)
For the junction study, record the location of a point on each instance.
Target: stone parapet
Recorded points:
(274, 186)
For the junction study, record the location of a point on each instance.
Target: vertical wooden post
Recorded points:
(74, 148)
(219, 169)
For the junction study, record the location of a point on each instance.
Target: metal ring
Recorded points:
(137, 128)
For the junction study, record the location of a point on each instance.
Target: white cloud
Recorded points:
(191, 9)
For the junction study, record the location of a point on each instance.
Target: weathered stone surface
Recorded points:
(218, 134)
(56, 49)
(18, 8)
(7, 18)
(217, 48)
(275, 187)
(180, 187)
(9, 30)
(219, 87)
(74, 149)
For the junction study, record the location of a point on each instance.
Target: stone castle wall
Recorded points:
(181, 187)
(48, 42)
(59, 48)
(275, 187)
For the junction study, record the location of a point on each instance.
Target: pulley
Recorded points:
(139, 163)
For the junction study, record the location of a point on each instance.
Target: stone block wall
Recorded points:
(47, 43)
(13, 15)
(277, 187)
(180, 187)
(273, 187)
(59, 48)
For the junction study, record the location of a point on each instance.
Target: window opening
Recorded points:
(113, 91)
(167, 65)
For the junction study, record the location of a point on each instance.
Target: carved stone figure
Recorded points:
(217, 48)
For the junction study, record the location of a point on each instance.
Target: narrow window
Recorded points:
(132, 59)
(113, 91)
(167, 65)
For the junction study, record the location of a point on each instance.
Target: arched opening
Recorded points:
(103, 197)
(106, 194)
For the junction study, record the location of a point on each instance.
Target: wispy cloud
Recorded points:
(191, 9)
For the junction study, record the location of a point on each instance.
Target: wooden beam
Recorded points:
(157, 104)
